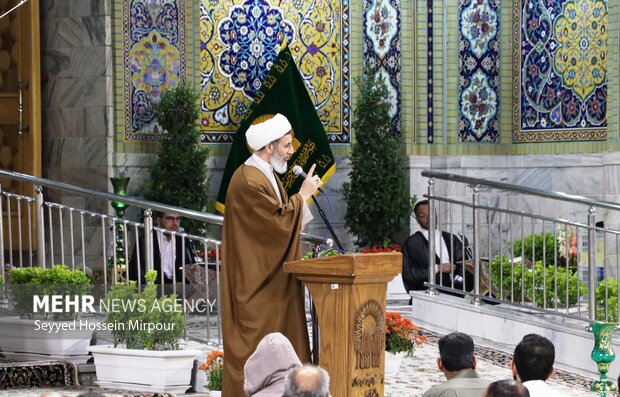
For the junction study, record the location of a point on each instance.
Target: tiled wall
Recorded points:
(82, 145)
(445, 73)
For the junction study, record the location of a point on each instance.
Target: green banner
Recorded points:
(284, 92)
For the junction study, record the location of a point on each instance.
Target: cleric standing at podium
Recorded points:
(261, 232)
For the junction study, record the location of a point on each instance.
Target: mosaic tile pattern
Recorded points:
(382, 50)
(239, 40)
(154, 60)
(560, 70)
(478, 66)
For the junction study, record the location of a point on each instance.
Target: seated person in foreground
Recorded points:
(167, 252)
(449, 256)
(532, 364)
(266, 368)
(458, 363)
(506, 388)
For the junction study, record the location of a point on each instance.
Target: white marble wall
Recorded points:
(77, 100)
(591, 175)
(77, 107)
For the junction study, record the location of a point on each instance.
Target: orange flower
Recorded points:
(214, 368)
(401, 334)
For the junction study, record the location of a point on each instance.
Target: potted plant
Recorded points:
(44, 331)
(179, 175)
(213, 367)
(376, 216)
(401, 338)
(147, 330)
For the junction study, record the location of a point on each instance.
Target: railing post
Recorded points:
(476, 225)
(40, 217)
(148, 239)
(431, 237)
(591, 263)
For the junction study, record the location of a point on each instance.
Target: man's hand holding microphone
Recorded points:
(311, 184)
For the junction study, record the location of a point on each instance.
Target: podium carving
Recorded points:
(349, 294)
(369, 335)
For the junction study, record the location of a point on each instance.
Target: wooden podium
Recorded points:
(349, 296)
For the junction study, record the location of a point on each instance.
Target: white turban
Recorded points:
(259, 135)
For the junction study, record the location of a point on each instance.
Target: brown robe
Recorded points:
(258, 297)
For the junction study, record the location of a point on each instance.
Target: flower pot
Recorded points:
(145, 370)
(215, 393)
(392, 362)
(24, 339)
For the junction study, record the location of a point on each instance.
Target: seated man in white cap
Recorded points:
(261, 232)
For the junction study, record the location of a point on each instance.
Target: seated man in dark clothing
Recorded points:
(449, 257)
(167, 252)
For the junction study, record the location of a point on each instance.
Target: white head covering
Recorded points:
(266, 368)
(259, 135)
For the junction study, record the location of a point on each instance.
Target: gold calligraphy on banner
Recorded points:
(269, 82)
(306, 151)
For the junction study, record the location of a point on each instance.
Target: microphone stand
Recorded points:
(329, 226)
(313, 316)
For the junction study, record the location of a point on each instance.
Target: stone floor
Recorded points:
(417, 374)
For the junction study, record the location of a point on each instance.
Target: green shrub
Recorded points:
(529, 282)
(145, 308)
(523, 248)
(179, 176)
(26, 282)
(126, 294)
(377, 197)
(607, 290)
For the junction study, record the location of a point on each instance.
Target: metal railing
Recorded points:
(41, 233)
(529, 247)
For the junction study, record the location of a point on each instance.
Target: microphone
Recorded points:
(297, 170)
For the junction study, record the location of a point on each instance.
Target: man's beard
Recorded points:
(278, 163)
